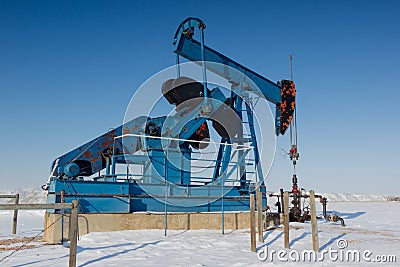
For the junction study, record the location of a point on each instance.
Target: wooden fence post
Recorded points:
(314, 226)
(252, 224)
(73, 233)
(15, 218)
(286, 219)
(259, 215)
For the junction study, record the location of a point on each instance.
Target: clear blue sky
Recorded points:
(69, 68)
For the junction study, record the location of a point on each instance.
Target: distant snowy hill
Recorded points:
(338, 197)
(346, 197)
(32, 195)
(39, 196)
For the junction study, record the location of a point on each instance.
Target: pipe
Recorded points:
(324, 206)
(279, 206)
(107, 166)
(335, 218)
(341, 221)
(178, 67)
(46, 186)
(62, 192)
(282, 207)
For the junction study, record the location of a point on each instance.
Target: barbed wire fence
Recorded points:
(29, 241)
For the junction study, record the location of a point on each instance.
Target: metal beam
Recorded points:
(191, 50)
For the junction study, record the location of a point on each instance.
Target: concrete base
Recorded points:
(55, 225)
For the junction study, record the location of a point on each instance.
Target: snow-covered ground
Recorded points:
(370, 226)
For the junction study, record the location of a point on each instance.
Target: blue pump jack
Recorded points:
(166, 177)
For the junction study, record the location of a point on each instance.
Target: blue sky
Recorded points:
(69, 68)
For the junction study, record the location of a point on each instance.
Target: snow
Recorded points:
(372, 225)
